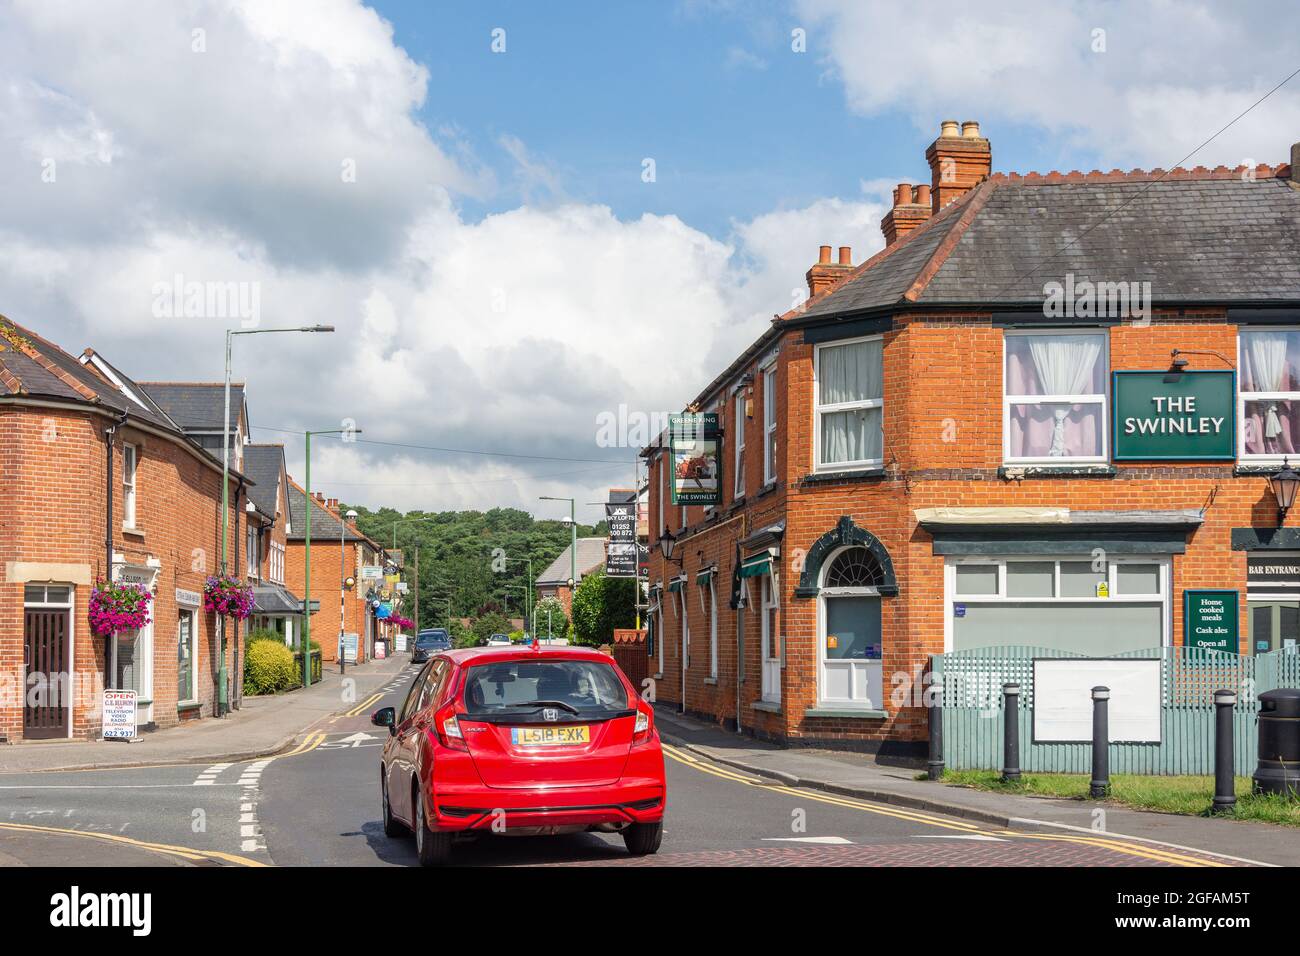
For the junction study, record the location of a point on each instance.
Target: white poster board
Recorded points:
(401, 643)
(119, 715)
(349, 648)
(1063, 699)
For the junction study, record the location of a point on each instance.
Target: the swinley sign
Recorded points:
(1174, 416)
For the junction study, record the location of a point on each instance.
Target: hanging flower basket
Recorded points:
(227, 597)
(118, 607)
(403, 623)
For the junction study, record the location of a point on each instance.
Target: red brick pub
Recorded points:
(951, 446)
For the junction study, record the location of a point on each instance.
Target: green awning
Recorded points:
(703, 577)
(676, 584)
(756, 565)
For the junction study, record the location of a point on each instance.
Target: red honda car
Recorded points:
(521, 740)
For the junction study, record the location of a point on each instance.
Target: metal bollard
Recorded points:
(934, 766)
(1099, 785)
(1225, 793)
(1010, 733)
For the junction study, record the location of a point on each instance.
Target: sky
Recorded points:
(527, 220)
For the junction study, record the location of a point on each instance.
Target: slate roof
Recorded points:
(275, 600)
(591, 555)
(264, 464)
(31, 365)
(1199, 237)
(324, 523)
(197, 406)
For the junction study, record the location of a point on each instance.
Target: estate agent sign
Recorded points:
(697, 467)
(1210, 620)
(621, 550)
(1174, 416)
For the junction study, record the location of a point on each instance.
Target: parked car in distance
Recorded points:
(497, 640)
(521, 740)
(428, 642)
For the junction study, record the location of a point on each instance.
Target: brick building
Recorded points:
(556, 579)
(265, 542)
(339, 553)
(98, 480)
(1046, 413)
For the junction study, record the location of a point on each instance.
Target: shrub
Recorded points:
(269, 668)
(261, 634)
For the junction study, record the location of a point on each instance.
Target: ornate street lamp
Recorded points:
(667, 544)
(1284, 486)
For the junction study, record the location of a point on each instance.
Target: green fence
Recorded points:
(973, 709)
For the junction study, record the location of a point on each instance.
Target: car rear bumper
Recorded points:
(636, 801)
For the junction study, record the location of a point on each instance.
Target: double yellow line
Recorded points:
(310, 742)
(1154, 854)
(357, 710)
(184, 852)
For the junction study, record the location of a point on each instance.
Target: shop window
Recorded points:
(1055, 397)
(849, 404)
(1270, 392)
(1095, 608)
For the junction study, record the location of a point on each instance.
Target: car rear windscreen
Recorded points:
(581, 688)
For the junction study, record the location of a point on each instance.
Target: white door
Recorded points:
(850, 650)
(771, 631)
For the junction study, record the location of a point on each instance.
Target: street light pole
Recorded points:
(343, 589)
(223, 677)
(573, 545)
(306, 561)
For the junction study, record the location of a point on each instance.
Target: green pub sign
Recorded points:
(1210, 620)
(1174, 416)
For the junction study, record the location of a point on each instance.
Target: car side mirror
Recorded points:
(385, 717)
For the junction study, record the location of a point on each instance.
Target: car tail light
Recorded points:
(641, 732)
(448, 728)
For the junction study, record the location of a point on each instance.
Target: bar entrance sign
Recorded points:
(1210, 619)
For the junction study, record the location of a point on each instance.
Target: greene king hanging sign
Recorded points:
(696, 464)
(1174, 416)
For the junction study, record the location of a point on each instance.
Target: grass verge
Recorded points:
(1190, 796)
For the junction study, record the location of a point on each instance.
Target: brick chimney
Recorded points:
(1295, 164)
(959, 160)
(332, 504)
(825, 273)
(911, 208)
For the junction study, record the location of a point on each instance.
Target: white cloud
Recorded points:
(511, 332)
(1173, 72)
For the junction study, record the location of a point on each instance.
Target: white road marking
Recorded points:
(832, 840)
(958, 836)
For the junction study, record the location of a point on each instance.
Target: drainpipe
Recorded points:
(110, 435)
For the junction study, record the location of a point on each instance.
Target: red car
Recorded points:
(521, 740)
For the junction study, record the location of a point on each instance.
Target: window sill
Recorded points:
(1056, 471)
(853, 713)
(188, 705)
(1254, 468)
(768, 488)
(766, 706)
(133, 530)
(853, 474)
(658, 676)
(711, 681)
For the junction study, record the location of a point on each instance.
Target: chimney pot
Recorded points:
(1295, 162)
(958, 163)
(824, 256)
(970, 129)
(902, 194)
(921, 195)
(846, 255)
(948, 128)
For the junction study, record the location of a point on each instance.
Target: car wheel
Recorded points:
(431, 847)
(643, 839)
(391, 827)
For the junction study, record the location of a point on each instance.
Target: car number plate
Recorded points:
(549, 736)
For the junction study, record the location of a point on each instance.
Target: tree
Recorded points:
(554, 625)
(602, 604)
(491, 623)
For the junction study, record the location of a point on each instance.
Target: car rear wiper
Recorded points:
(547, 703)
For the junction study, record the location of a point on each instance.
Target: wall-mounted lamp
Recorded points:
(1284, 486)
(667, 545)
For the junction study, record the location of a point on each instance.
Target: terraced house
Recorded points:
(1054, 410)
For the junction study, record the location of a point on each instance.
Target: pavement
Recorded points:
(262, 726)
(859, 776)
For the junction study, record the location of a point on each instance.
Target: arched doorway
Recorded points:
(849, 670)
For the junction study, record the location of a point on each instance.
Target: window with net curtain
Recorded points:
(850, 400)
(1055, 386)
(1270, 392)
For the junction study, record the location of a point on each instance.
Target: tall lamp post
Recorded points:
(306, 562)
(223, 677)
(343, 587)
(573, 541)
